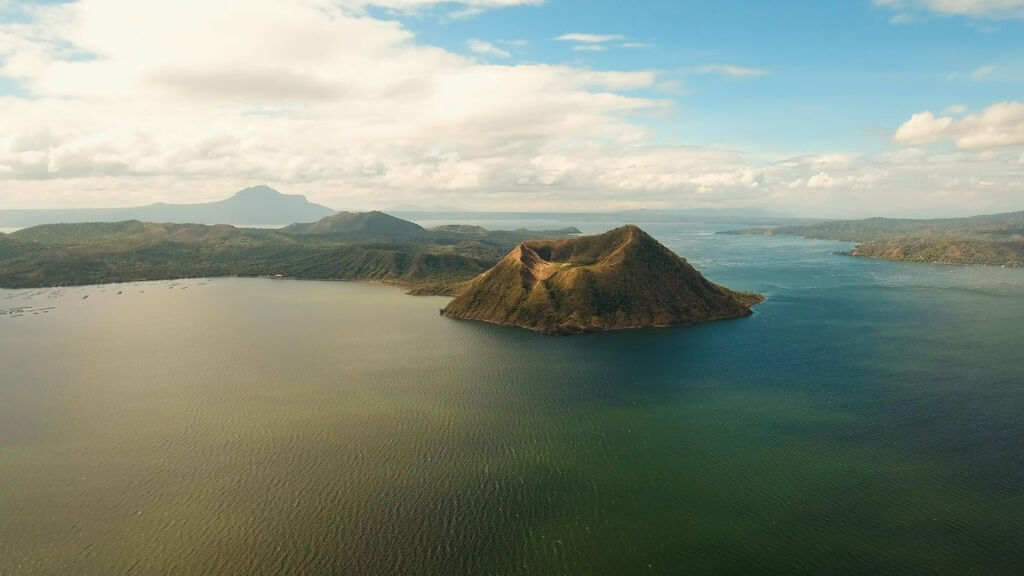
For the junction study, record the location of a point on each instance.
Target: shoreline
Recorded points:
(396, 285)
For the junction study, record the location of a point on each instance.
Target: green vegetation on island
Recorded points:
(623, 278)
(360, 224)
(994, 240)
(543, 280)
(376, 248)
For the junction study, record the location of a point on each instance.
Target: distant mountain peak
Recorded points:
(261, 191)
(254, 206)
(265, 194)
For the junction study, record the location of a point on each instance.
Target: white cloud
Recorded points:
(132, 103)
(995, 9)
(487, 49)
(912, 183)
(731, 70)
(922, 129)
(590, 38)
(982, 72)
(999, 125)
(288, 92)
(850, 181)
(955, 109)
(600, 42)
(830, 161)
(821, 180)
(469, 7)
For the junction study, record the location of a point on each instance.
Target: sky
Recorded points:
(845, 108)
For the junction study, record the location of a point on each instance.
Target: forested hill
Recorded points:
(433, 261)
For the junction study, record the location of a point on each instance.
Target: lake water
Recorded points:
(867, 419)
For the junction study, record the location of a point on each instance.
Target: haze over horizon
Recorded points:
(906, 108)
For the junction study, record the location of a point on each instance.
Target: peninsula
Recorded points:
(623, 278)
(992, 240)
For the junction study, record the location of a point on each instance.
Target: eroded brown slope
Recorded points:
(620, 279)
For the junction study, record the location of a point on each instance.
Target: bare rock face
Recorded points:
(623, 278)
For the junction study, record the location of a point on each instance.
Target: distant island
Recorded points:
(993, 240)
(254, 206)
(623, 278)
(344, 246)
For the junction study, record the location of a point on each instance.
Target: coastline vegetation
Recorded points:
(993, 240)
(425, 262)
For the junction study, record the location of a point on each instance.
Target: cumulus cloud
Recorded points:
(995, 9)
(922, 129)
(911, 182)
(130, 103)
(849, 181)
(999, 125)
(283, 91)
(487, 49)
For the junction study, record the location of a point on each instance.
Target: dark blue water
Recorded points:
(866, 420)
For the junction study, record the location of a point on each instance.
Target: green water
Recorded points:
(866, 420)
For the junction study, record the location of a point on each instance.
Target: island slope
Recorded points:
(992, 240)
(623, 278)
